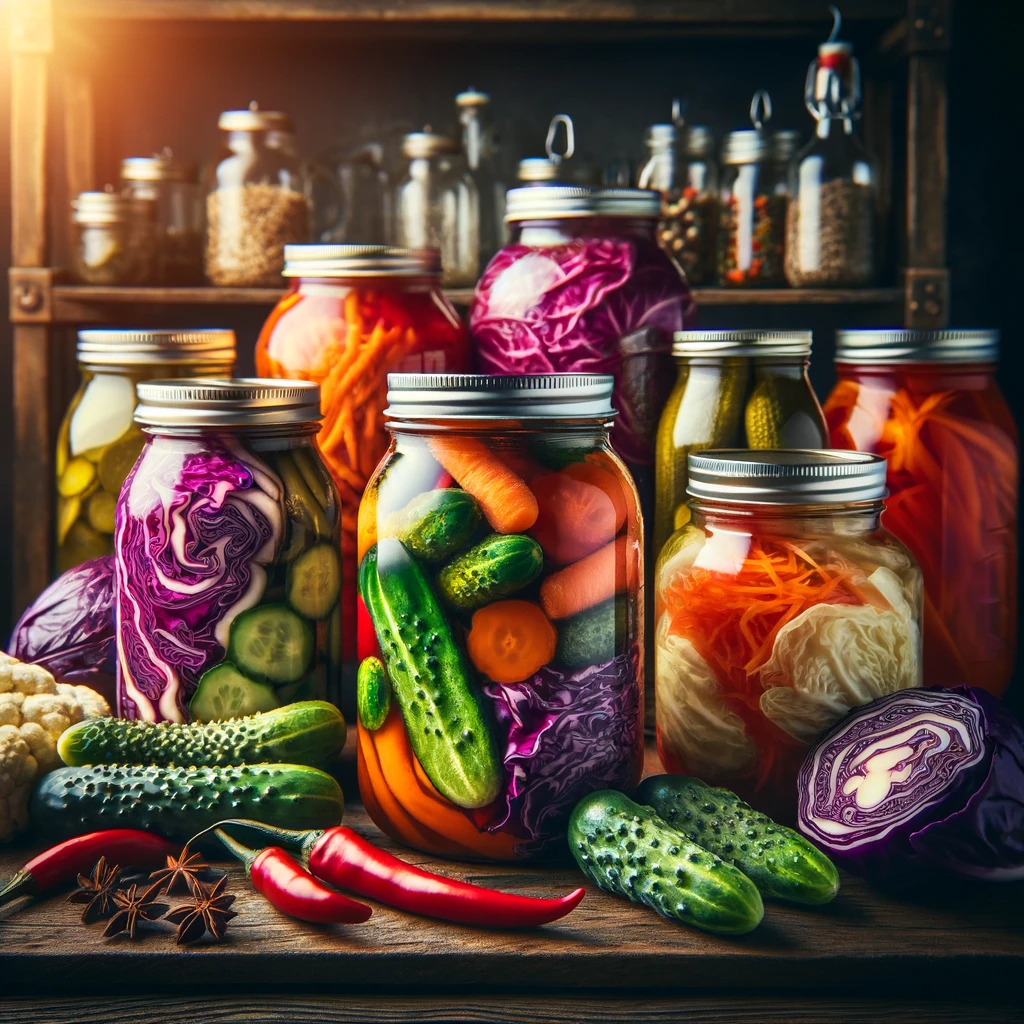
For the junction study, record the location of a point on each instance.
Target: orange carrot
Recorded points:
(507, 503)
(510, 640)
(589, 581)
(574, 518)
(589, 473)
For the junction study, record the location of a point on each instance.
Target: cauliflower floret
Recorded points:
(34, 711)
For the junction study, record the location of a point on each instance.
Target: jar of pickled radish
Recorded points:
(99, 442)
(354, 313)
(929, 403)
(228, 574)
(782, 604)
(501, 621)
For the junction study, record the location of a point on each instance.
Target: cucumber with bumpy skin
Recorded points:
(373, 693)
(435, 524)
(780, 862)
(593, 636)
(490, 571)
(627, 849)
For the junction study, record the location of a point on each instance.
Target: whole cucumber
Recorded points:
(780, 862)
(490, 571)
(373, 693)
(627, 849)
(430, 680)
(435, 524)
(180, 802)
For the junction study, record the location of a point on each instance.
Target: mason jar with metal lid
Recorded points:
(113, 238)
(784, 604)
(503, 526)
(226, 548)
(354, 313)
(173, 185)
(98, 442)
(928, 401)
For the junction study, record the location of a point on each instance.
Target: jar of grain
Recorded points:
(257, 203)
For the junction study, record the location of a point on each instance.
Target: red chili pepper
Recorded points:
(127, 847)
(290, 888)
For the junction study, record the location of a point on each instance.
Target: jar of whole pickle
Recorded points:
(228, 575)
(98, 441)
(114, 238)
(354, 313)
(734, 389)
(782, 605)
(928, 402)
(502, 576)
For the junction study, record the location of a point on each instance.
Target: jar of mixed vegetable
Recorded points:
(98, 441)
(783, 604)
(929, 403)
(228, 573)
(353, 314)
(734, 389)
(501, 617)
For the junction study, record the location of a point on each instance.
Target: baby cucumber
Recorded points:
(492, 570)
(627, 849)
(271, 644)
(223, 692)
(435, 524)
(430, 680)
(373, 694)
(314, 581)
(782, 864)
(593, 636)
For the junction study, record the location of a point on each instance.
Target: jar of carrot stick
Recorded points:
(354, 313)
(501, 627)
(928, 402)
(781, 605)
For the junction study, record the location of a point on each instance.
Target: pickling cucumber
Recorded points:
(780, 862)
(492, 570)
(271, 644)
(627, 849)
(311, 732)
(373, 693)
(435, 524)
(180, 802)
(314, 581)
(300, 504)
(593, 636)
(223, 692)
(430, 680)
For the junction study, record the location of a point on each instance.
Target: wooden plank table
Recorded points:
(950, 955)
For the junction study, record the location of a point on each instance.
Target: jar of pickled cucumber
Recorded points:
(734, 389)
(99, 442)
(502, 618)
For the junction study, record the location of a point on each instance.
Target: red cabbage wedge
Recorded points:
(920, 779)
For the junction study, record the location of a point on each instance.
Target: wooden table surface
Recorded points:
(955, 954)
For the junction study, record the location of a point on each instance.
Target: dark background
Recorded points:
(170, 90)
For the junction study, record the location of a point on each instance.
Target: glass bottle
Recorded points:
(479, 147)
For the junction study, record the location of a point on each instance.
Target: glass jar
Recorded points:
(734, 389)
(257, 203)
(98, 441)
(687, 179)
(113, 239)
(173, 186)
(437, 207)
(353, 314)
(929, 403)
(783, 604)
(480, 149)
(503, 528)
(228, 573)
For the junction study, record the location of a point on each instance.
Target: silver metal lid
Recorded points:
(162, 166)
(760, 344)
(226, 402)
(425, 144)
(745, 147)
(699, 141)
(255, 120)
(359, 261)
(471, 98)
(465, 396)
(661, 135)
(628, 202)
(557, 202)
(793, 477)
(111, 208)
(104, 347)
(899, 346)
(785, 143)
(537, 168)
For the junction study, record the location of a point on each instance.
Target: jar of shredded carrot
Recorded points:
(501, 614)
(929, 403)
(354, 313)
(781, 605)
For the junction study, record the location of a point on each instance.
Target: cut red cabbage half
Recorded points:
(920, 779)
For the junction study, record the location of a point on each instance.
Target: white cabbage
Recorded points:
(679, 553)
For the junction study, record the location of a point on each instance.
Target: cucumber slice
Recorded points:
(223, 692)
(314, 581)
(271, 644)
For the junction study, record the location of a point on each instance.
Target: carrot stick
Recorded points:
(585, 583)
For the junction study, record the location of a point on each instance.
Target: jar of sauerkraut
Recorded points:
(780, 606)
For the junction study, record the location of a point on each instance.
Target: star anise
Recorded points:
(209, 912)
(97, 891)
(133, 907)
(181, 874)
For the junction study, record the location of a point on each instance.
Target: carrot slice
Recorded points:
(510, 640)
(589, 581)
(574, 518)
(507, 503)
(588, 473)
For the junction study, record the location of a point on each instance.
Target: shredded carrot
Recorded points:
(587, 582)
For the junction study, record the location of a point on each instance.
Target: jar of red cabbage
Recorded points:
(228, 553)
(501, 614)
